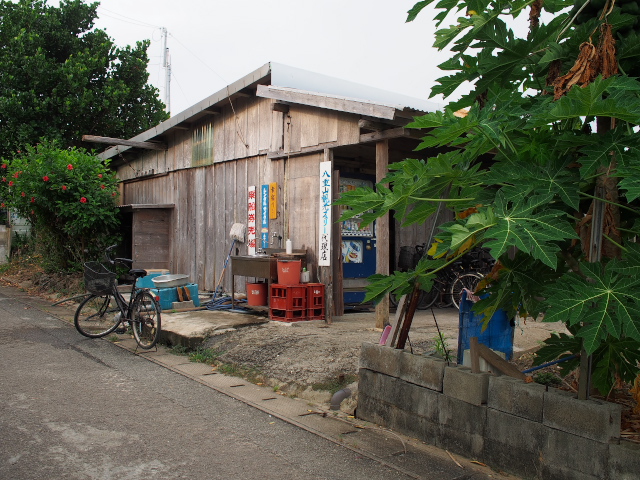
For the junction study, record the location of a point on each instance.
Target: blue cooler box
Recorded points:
(170, 295)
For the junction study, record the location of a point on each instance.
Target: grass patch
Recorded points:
(336, 384)
(204, 355)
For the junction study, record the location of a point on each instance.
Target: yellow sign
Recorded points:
(273, 200)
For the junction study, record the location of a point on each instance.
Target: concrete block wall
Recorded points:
(525, 429)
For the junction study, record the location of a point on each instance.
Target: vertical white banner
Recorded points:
(251, 221)
(324, 253)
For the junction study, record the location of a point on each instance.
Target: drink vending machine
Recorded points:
(358, 247)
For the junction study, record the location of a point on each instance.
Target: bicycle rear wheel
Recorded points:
(469, 281)
(145, 320)
(427, 299)
(97, 316)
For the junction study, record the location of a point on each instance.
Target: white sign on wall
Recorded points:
(324, 250)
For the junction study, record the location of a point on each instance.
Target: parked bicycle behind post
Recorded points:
(450, 282)
(106, 308)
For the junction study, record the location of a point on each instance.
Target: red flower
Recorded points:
(11, 183)
(4, 179)
(113, 194)
(83, 200)
(23, 194)
(45, 178)
(16, 175)
(32, 212)
(33, 199)
(102, 187)
(69, 167)
(4, 165)
(64, 187)
(3, 205)
(99, 175)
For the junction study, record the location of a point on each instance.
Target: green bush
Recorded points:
(69, 198)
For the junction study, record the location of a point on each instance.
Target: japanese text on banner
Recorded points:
(324, 243)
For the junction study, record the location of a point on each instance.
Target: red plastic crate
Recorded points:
(287, 315)
(315, 295)
(288, 297)
(315, 314)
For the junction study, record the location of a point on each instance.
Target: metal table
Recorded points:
(259, 266)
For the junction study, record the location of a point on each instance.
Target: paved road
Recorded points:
(77, 408)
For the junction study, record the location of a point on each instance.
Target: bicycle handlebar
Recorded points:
(112, 261)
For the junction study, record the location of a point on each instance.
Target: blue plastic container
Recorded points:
(170, 295)
(498, 336)
(147, 281)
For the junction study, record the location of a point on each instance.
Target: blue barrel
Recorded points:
(498, 335)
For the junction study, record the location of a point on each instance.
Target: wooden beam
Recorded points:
(182, 126)
(314, 99)
(212, 111)
(375, 126)
(499, 363)
(303, 151)
(391, 133)
(280, 107)
(127, 143)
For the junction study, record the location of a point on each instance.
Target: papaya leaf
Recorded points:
(528, 226)
(601, 150)
(603, 301)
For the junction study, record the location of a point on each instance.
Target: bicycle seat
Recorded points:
(138, 272)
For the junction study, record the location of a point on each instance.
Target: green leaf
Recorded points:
(604, 302)
(416, 9)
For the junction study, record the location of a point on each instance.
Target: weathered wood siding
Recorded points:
(209, 199)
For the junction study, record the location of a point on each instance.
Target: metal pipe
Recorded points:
(338, 397)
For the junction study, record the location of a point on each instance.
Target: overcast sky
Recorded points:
(216, 42)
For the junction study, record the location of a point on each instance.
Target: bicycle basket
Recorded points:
(97, 279)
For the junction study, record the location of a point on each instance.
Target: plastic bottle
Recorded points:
(289, 246)
(305, 276)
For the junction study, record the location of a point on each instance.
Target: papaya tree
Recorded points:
(543, 170)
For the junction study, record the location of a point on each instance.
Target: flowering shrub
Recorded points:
(68, 196)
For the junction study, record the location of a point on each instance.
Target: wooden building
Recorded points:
(185, 182)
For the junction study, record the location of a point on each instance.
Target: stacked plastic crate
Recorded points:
(288, 303)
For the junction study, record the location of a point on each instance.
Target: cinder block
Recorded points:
(378, 386)
(182, 305)
(599, 421)
(380, 359)
(570, 457)
(422, 370)
(513, 444)
(624, 461)
(415, 426)
(462, 384)
(516, 397)
(373, 410)
(417, 400)
(462, 426)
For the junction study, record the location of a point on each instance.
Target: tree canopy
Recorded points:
(61, 78)
(544, 170)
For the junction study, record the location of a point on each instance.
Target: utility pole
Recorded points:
(166, 63)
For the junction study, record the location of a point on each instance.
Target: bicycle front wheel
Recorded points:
(97, 316)
(469, 281)
(145, 320)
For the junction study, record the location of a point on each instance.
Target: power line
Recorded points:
(199, 59)
(124, 18)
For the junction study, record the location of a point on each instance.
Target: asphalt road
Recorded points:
(76, 408)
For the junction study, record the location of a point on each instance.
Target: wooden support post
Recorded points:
(408, 319)
(382, 234)
(336, 265)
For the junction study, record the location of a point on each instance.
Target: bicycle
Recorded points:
(105, 309)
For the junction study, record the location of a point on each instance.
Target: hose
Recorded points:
(224, 303)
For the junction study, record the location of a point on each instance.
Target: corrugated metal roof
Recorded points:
(280, 75)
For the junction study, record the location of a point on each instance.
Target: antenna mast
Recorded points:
(166, 63)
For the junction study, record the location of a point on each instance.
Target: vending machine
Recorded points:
(358, 248)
